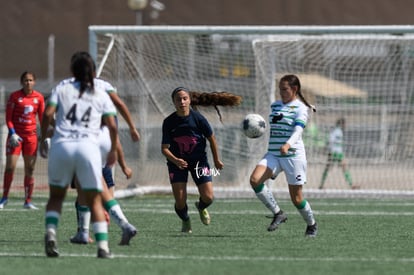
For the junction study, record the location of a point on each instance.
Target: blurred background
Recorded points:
(41, 35)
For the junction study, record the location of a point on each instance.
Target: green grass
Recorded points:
(358, 236)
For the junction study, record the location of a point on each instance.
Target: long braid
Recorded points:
(214, 99)
(82, 67)
(306, 102)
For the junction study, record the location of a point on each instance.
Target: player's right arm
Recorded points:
(45, 125)
(9, 113)
(180, 163)
(14, 139)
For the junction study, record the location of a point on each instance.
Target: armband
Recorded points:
(11, 131)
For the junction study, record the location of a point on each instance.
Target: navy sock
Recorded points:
(182, 213)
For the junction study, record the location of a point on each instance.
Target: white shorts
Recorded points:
(104, 143)
(294, 168)
(82, 159)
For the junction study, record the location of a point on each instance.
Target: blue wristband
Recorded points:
(11, 131)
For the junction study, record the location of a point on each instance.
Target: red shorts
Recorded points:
(28, 146)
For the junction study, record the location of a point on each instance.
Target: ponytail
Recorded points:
(207, 99)
(83, 69)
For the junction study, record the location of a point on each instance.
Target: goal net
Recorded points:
(362, 74)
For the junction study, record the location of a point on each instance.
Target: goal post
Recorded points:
(361, 73)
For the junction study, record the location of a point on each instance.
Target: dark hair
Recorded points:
(207, 99)
(340, 121)
(83, 67)
(293, 81)
(178, 89)
(23, 75)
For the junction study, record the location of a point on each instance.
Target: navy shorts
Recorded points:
(199, 170)
(107, 174)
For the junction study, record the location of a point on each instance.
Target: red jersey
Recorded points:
(21, 111)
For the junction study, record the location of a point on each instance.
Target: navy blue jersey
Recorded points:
(186, 135)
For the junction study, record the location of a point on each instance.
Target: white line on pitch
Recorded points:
(219, 258)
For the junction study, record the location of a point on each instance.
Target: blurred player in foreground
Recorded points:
(110, 203)
(79, 107)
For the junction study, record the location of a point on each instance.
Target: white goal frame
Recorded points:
(386, 30)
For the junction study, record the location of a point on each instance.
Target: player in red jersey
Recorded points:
(22, 107)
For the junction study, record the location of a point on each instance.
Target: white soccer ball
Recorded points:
(253, 125)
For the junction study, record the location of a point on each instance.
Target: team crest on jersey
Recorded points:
(35, 101)
(28, 109)
(20, 99)
(277, 117)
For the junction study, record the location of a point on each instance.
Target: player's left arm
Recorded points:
(297, 133)
(41, 108)
(122, 162)
(214, 150)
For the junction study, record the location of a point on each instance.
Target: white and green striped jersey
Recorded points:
(282, 120)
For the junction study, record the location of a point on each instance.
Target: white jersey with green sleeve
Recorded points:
(282, 119)
(104, 85)
(79, 117)
(336, 141)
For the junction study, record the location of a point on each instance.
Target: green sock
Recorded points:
(324, 175)
(348, 178)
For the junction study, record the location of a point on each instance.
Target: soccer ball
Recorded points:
(253, 125)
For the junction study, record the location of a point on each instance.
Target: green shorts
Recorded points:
(336, 157)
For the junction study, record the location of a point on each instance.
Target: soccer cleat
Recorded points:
(204, 215)
(128, 232)
(80, 238)
(186, 227)
(278, 218)
(29, 205)
(51, 245)
(103, 254)
(3, 202)
(311, 230)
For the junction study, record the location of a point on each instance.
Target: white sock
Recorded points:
(100, 230)
(115, 211)
(265, 195)
(84, 218)
(52, 220)
(306, 212)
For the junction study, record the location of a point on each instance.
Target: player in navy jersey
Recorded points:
(286, 152)
(184, 138)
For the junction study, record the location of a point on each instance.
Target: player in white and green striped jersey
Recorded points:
(286, 152)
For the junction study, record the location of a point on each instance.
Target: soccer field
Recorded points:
(356, 236)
